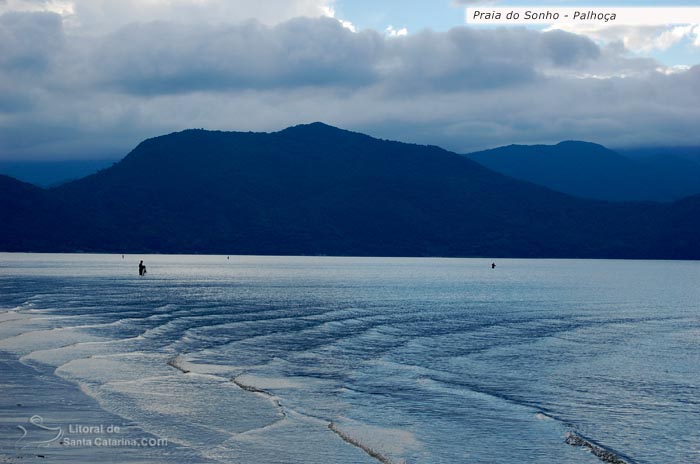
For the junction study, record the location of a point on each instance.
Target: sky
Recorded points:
(88, 79)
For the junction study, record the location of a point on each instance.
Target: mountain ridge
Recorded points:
(315, 189)
(589, 170)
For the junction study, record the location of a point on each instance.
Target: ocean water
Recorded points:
(365, 360)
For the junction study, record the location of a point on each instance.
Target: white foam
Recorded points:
(183, 364)
(24, 323)
(102, 369)
(27, 342)
(12, 315)
(59, 356)
(391, 443)
(296, 438)
(196, 410)
(270, 383)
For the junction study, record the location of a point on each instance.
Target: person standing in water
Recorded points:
(142, 268)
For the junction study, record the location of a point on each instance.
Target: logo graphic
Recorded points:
(37, 425)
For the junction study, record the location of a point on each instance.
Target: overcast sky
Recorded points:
(92, 78)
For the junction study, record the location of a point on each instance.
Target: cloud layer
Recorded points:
(72, 92)
(100, 16)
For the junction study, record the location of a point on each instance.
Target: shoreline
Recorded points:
(44, 418)
(272, 328)
(348, 256)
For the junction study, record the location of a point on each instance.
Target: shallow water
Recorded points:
(319, 359)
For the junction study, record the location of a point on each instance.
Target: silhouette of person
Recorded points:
(493, 265)
(142, 268)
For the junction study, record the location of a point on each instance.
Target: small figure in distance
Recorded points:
(142, 269)
(227, 258)
(493, 265)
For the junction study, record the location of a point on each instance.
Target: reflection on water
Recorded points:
(306, 359)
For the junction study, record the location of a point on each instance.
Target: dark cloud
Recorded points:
(166, 58)
(69, 95)
(29, 41)
(564, 49)
(470, 59)
(162, 58)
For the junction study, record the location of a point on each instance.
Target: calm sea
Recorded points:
(321, 359)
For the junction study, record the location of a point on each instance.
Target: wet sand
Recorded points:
(63, 425)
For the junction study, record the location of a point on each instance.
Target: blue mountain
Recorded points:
(592, 171)
(316, 189)
(51, 173)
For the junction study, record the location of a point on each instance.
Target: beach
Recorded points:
(358, 360)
